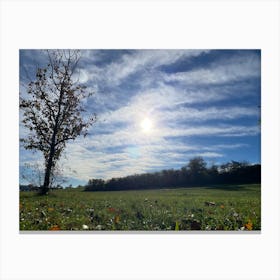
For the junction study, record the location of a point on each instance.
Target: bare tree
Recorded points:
(53, 110)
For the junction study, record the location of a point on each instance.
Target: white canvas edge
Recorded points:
(158, 24)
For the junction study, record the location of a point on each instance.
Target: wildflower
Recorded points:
(111, 209)
(249, 225)
(222, 206)
(235, 214)
(85, 227)
(50, 209)
(55, 227)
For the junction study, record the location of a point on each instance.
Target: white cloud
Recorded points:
(145, 60)
(233, 69)
(210, 155)
(81, 76)
(218, 131)
(206, 114)
(95, 163)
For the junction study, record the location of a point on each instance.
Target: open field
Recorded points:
(233, 207)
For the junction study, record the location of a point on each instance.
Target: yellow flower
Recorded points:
(50, 209)
(249, 225)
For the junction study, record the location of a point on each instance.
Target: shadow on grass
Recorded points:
(230, 187)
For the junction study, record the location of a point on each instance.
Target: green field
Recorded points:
(233, 207)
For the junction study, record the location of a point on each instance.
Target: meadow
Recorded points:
(221, 207)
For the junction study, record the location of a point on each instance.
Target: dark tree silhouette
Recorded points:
(195, 173)
(196, 170)
(53, 109)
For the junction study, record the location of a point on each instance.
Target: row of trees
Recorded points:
(195, 173)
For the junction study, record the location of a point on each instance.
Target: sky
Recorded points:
(156, 109)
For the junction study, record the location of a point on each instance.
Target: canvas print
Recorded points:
(139, 140)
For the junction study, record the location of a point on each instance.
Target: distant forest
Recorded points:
(195, 173)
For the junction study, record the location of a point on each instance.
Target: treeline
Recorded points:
(195, 173)
(31, 187)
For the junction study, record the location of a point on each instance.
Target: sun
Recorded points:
(146, 125)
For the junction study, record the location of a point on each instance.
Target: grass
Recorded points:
(236, 207)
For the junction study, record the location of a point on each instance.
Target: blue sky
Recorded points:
(196, 103)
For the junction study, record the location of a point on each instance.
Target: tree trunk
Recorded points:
(49, 166)
(45, 188)
(48, 170)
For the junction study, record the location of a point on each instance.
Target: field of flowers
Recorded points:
(233, 207)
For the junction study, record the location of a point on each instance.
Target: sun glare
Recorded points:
(146, 125)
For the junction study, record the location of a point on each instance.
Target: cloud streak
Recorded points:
(231, 70)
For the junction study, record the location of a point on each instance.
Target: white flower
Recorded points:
(85, 227)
